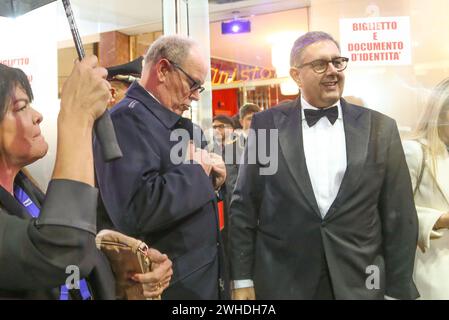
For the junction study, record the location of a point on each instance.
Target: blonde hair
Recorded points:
(433, 118)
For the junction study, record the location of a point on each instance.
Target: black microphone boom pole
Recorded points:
(104, 128)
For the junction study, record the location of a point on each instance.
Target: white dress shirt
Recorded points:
(325, 153)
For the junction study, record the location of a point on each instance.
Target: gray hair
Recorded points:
(306, 40)
(175, 48)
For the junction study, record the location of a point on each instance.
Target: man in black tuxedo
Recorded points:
(336, 220)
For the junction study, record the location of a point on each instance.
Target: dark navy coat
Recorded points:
(172, 207)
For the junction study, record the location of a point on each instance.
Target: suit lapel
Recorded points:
(289, 123)
(357, 131)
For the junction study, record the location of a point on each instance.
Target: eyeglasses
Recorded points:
(320, 65)
(195, 85)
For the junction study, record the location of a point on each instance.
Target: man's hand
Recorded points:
(158, 279)
(218, 169)
(202, 157)
(244, 294)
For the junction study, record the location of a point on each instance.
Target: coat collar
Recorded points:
(165, 116)
(12, 206)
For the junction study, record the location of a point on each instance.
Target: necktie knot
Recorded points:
(313, 116)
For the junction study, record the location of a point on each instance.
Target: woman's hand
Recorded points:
(86, 92)
(442, 222)
(83, 99)
(158, 279)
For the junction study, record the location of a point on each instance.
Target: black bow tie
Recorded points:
(312, 116)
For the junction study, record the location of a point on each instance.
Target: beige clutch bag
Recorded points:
(126, 256)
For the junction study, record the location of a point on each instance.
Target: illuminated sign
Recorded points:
(240, 75)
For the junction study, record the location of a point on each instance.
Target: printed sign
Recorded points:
(376, 41)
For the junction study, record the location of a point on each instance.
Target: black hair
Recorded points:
(224, 119)
(10, 78)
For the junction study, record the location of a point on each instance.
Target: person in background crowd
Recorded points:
(122, 76)
(233, 151)
(223, 127)
(426, 151)
(236, 123)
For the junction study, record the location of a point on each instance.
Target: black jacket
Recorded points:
(278, 236)
(34, 253)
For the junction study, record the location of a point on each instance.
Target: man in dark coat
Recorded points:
(331, 215)
(153, 192)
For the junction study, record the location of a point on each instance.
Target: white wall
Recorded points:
(29, 43)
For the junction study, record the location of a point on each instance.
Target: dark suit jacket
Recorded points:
(34, 253)
(172, 207)
(232, 155)
(278, 237)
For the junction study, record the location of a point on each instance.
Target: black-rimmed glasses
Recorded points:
(194, 85)
(321, 65)
(221, 126)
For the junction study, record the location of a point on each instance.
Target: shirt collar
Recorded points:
(166, 116)
(149, 92)
(306, 105)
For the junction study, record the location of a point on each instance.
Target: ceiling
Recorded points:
(278, 30)
(140, 16)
